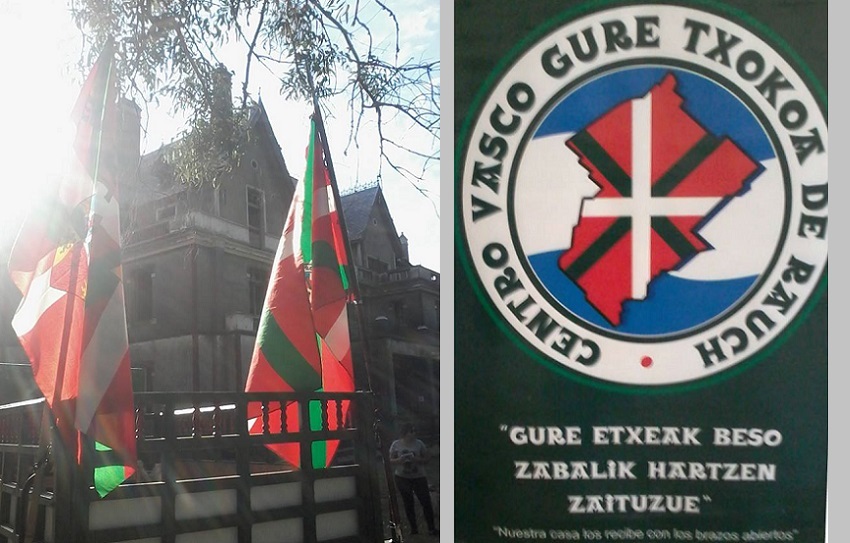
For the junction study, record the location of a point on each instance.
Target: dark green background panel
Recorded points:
(497, 383)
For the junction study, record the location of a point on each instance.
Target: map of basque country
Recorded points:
(661, 176)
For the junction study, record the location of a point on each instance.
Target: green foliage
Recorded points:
(208, 151)
(168, 49)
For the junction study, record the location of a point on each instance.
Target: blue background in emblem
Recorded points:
(703, 100)
(673, 304)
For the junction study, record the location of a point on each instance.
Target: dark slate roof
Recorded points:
(356, 208)
(152, 168)
(259, 119)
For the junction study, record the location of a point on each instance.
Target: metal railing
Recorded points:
(203, 475)
(409, 273)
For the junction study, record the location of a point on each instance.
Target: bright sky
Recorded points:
(39, 50)
(37, 91)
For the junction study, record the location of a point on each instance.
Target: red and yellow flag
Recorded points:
(66, 262)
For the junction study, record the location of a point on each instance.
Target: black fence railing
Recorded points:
(202, 473)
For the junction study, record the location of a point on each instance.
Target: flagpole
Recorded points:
(64, 422)
(395, 526)
(53, 412)
(57, 448)
(350, 272)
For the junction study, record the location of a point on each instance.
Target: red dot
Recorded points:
(646, 361)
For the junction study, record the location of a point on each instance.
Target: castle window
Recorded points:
(398, 311)
(256, 217)
(258, 280)
(139, 293)
(378, 265)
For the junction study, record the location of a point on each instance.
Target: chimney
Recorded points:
(221, 107)
(404, 250)
(130, 130)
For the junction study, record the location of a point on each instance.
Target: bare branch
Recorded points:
(250, 53)
(169, 50)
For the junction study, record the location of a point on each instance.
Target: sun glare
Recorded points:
(38, 55)
(40, 49)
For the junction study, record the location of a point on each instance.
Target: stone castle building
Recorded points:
(196, 264)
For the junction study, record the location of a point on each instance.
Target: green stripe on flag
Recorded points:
(107, 478)
(319, 448)
(324, 255)
(343, 277)
(307, 208)
(284, 358)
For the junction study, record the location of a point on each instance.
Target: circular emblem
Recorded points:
(642, 195)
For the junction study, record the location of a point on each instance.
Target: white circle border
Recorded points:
(608, 357)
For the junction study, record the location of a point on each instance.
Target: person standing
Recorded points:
(408, 455)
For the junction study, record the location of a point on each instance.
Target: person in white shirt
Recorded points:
(408, 455)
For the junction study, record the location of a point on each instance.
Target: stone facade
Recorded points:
(196, 263)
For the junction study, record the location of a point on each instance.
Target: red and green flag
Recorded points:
(660, 175)
(303, 341)
(66, 262)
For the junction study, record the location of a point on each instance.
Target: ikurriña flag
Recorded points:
(303, 341)
(647, 154)
(66, 262)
